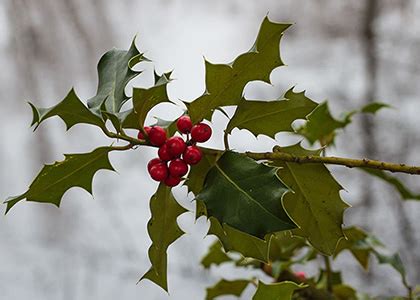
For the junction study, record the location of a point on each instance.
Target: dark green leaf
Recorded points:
(405, 193)
(275, 291)
(71, 110)
(238, 241)
(163, 231)
(344, 292)
(114, 72)
(245, 195)
(315, 206)
(226, 287)
(373, 107)
(198, 173)
(225, 83)
(271, 117)
(215, 255)
(77, 170)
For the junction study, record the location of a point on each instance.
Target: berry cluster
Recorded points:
(174, 153)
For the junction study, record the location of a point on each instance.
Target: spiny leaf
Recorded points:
(225, 83)
(404, 192)
(226, 287)
(215, 256)
(275, 291)
(235, 240)
(322, 126)
(355, 243)
(271, 117)
(245, 195)
(71, 110)
(315, 206)
(198, 173)
(144, 99)
(114, 72)
(362, 245)
(163, 231)
(283, 245)
(77, 170)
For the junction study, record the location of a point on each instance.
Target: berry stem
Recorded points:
(226, 140)
(124, 137)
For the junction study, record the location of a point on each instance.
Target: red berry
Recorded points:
(154, 162)
(140, 135)
(164, 153)
(301, 276)
(192, 155)
(200, 132)
(157, 136)
(176, 146)
(178, 168)
(172, 180)
(159, 172)
(184, 124)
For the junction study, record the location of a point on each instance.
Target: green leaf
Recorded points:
(355, 243)
(245, 195)
(71, 110)
(145, 99)
(114, 72)
(163, 231)
(373, 107)
(344, 292)
(226, 287)
(77, 170)
(238, 241)
(215, 255)
(404, 192)
(271, 117)
(322, 126)
(283, 246)
(275, 291)
(198, 173)
(225, 82)
(315, 206)
(362, 245)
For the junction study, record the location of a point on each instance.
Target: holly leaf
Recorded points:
(404, 191)
(76, 170)
(198, 173)
(115, 70)
(235, 240)
(71, 110)
(322, 126)
(144, 99)
(226, 287)
(245, 195)
(284, 245)
(362, 245)
(225, 82)
(271, 117)
(276, 291)
(355, 243)
(215, 256)
(315, 206)
(163, 231)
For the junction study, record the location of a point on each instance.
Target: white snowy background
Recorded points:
(96, 248)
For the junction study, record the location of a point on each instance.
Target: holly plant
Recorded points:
(278, 210)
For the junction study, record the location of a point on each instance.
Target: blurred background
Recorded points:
(349, 52)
